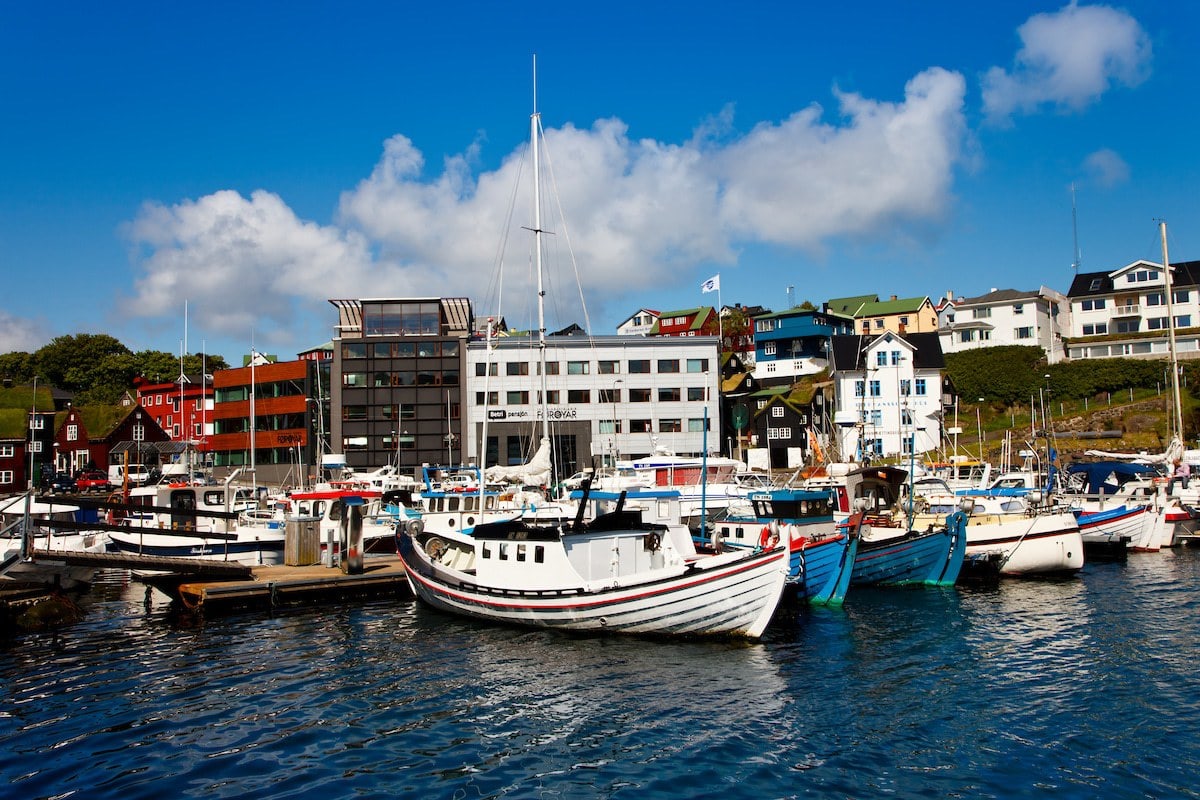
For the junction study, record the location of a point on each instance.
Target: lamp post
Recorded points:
(979, 427)
(138, 434)
(32, 431)
(616, 396)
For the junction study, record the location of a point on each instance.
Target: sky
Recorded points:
(238, 165)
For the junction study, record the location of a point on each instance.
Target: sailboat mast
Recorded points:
(1177, 420)
(534, 123)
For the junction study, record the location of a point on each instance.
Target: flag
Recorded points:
(713, 284)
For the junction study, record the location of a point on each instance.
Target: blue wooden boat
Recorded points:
(821, 556)
(890, 553)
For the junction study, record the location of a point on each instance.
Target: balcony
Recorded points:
(1127, 311)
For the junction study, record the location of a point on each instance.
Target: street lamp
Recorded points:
(616, 396)
(138, 434)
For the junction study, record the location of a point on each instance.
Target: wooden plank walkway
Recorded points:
(191, 566)
(274, 586)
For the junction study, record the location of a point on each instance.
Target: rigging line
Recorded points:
(587, 321)
(496, 288)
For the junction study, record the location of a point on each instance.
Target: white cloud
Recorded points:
(240, 263)
(1105, 168)
(801, 182)
(1067, 59)
(641, 212)
(18, 335)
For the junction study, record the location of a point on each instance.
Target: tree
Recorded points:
(70, 362)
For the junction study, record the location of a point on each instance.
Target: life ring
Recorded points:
(652, 541)
(764, 536)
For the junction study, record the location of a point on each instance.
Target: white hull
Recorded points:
(632, 590)
(1040, 544)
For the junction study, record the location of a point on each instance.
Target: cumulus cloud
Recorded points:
(1105, 168)
(21, 335)
(1068, 59)
(240, 262)
(640, 212)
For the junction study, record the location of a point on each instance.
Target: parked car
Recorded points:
(93, 481)
(57, 482)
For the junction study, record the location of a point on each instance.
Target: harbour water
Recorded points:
(1083, 687)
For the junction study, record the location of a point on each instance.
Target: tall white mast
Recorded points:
(534, 124)
(1177, 420)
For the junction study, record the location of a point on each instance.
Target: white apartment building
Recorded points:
(889, 394)
(1005, 317)
(607, 397)
(1124, 313)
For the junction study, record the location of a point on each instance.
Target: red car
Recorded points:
(92, 482)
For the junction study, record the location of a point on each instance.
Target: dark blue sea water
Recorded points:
(1088, 687)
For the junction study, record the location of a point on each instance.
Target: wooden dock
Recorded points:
(276, 586)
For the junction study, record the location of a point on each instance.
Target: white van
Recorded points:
(138, 474)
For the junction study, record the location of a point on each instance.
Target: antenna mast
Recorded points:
(1075, 231)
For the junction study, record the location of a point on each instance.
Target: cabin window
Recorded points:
(520, 552)
(487, 550)
(504, 551)
(539, 554)
(452, 503)
(214, 499)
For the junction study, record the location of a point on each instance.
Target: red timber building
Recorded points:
(182, 407)
(285, 408)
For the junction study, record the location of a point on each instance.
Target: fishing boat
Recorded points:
(614, 572)
(1021, 532)
(891, 552)
(28, 524)
(821, 557)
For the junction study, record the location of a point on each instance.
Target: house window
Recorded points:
(981, 313)
(1183, 321)
(762, 325)
(876, 417)
(859, 388)
(1153, 324)
(354, 349)
(640, 426)
(695, 393)
(1156, 299)
(7, 450)
(551, 368)
(609, 396)
(881, 359)
(1128, 325)
(579, 395)
(779, 433)
(516, 398)
(904, 321)
(895, 358)
(668, 395)
(668, 365)
(578, 367)
(670, 426)
(697, 365)
(37, 423)
(492, 398)
(1095, 330)
(920, 386)
(516, 368)
(6, 476)
(966, 336)
(776, 411)
(1093, 305)
(878, 324)
(72, 433)
(905, 387)
(639, 366)
(197, 430)
(349, 414)
(1181, 295)
(609, 426)
(769, 349)
(639, 395)
(36, 445)
(906, 418)
(696, 425)
(1023, 333)
(353, 379)
(1018, 308)
(608, 367)
(876, 390)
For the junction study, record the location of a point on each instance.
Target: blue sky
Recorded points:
(255, 160)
